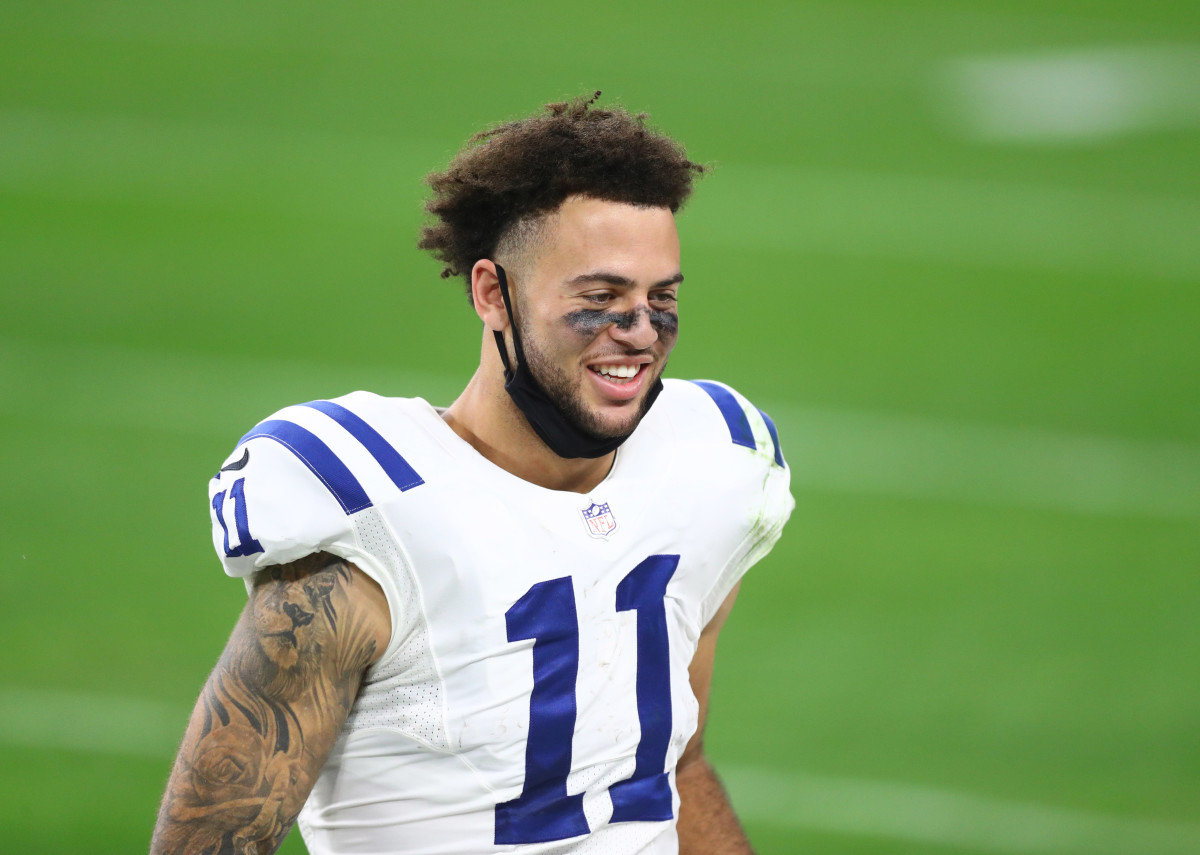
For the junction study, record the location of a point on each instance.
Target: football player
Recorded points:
(491, 627)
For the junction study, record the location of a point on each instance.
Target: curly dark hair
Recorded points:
(519, 171)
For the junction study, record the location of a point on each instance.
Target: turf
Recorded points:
(209, 212)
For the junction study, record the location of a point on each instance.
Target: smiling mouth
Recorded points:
(619, 374)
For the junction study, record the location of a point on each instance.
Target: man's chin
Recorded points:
(610, 430)
(612, 420)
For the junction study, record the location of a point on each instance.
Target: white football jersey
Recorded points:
(534, 696)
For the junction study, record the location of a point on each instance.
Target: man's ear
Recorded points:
(485, 294)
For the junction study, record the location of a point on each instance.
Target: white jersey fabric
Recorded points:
(534, 696)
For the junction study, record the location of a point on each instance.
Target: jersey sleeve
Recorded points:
(269, 506)
(774, 510)
(310, 479)
(766, 496)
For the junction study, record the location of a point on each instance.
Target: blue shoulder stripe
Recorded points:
(397, 468)
(735, 416)
(317, 456)
(774, 436)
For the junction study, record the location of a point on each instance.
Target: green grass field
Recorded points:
(954, 248)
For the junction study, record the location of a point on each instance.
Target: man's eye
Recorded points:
(598, 299)
(665, 297)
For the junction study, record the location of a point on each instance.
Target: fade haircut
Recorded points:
(498, 190)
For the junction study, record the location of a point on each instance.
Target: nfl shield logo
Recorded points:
(600, 520)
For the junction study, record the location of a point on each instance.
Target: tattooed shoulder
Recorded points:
(271, 710)
(306, 610)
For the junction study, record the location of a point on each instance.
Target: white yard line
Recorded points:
(964, 221)
(305, 174)
(95, 724)
(106, 724)
(888, 454)
(359, 180)
(1074, 96)
(918, 814)
(835, 450)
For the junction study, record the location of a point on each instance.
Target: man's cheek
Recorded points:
(667, 323)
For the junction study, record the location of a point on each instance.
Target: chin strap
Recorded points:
(512, 321)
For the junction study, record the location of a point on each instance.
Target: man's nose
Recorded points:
(635, 330)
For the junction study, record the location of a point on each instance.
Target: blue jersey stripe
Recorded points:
(318, 458)
(735, 416)
(774, 437)
(397, 468)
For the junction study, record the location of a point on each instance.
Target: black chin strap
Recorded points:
(512, 321)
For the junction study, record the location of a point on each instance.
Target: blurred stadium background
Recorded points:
(953, 247)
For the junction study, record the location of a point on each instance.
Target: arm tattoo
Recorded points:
(269, 713)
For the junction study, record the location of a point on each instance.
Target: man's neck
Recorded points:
(486, 417)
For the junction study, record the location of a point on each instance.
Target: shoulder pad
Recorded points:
(748, 426)
(294, 481)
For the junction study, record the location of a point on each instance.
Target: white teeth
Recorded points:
(622, 371)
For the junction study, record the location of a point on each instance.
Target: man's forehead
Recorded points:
(586, 235)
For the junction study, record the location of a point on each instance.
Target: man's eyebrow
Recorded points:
(619, 280)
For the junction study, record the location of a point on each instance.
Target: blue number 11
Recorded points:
(546, 614)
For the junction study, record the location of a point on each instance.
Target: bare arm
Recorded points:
(272, 708)
(707, 823)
